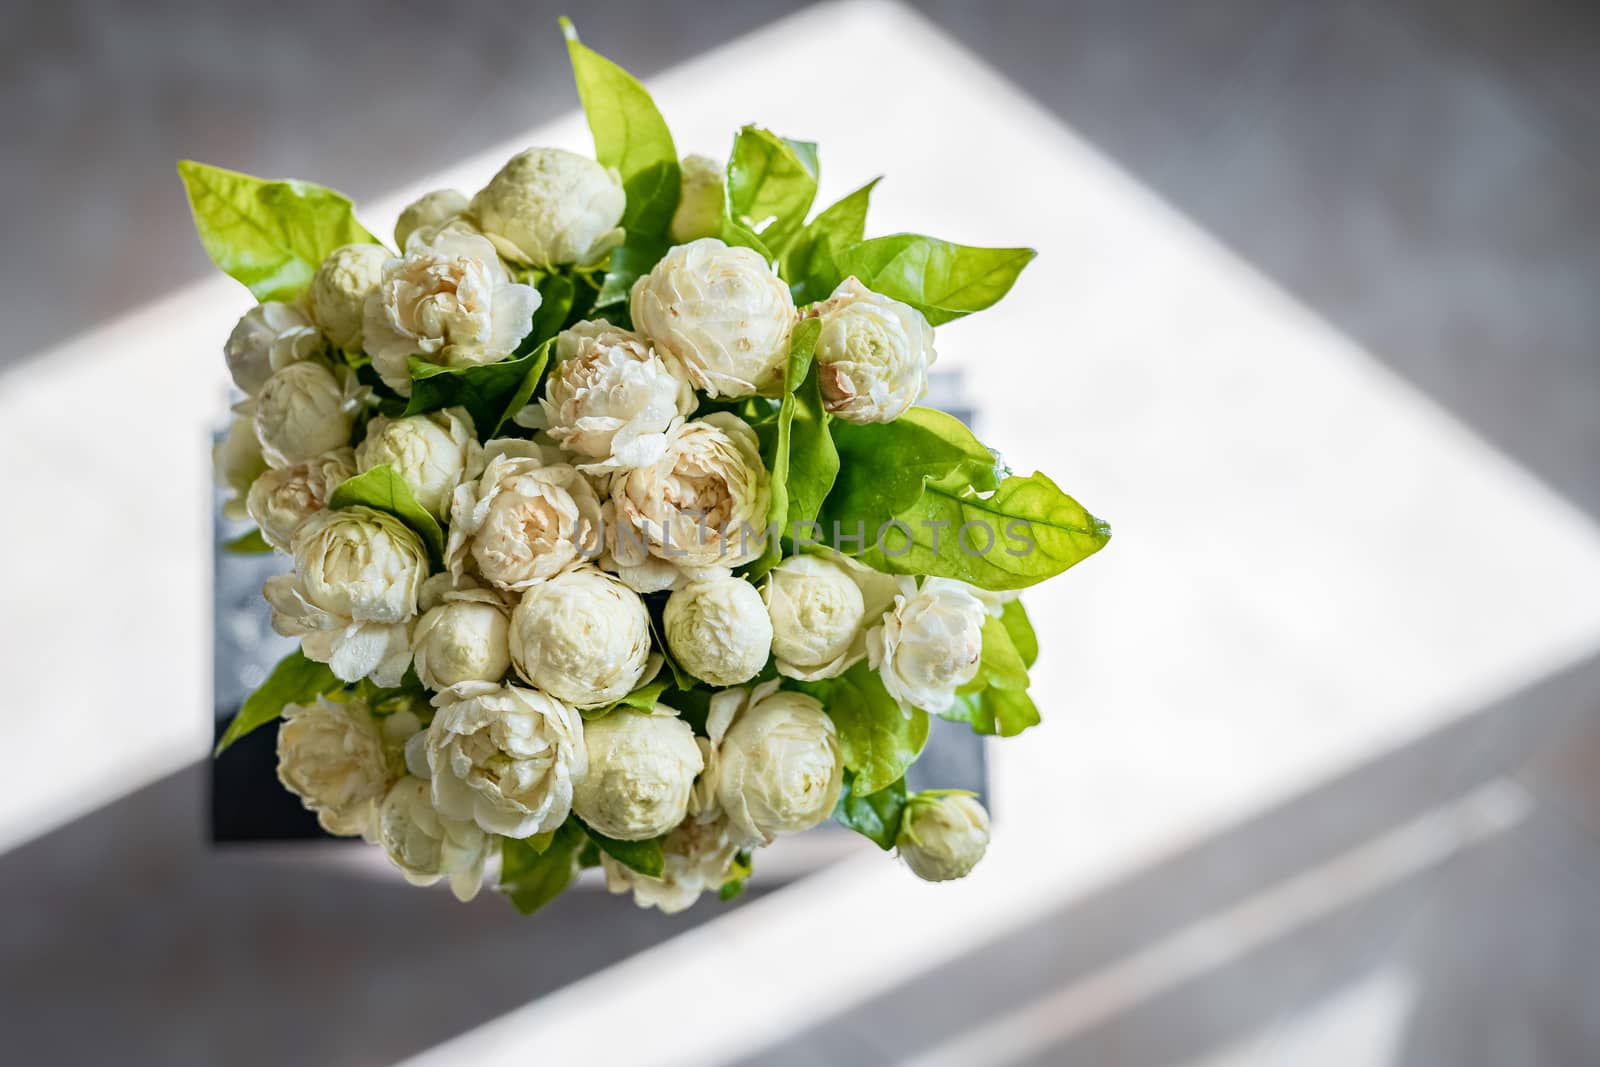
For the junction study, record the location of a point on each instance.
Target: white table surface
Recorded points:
(1311, 564)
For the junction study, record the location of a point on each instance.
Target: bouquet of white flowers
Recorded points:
(618, 538)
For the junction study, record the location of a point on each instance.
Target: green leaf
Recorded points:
(249, 543)
(628, 263)
(532, 877)
(738, 873)
(996, 701)
(928, 473)
(942, 280)
(810, 264)
(645, 698)
(382, 489)
(556, 295)
(492, 393)
(629, 134)
(295, 680)
(642, 856)
(875, 816)
(1020, 629)
(799, 452)
(879, 740)
(771, 184)
(269, 235)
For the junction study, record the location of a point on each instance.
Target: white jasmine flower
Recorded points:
(547, 207)
(505, 757)
(696, 856)
(610, 398)
(718, 629)
(943, 835)
(817, 610)
(930, 644)
(641, 769)
(429, 214)
(330, 755)
(465, 637)
(778, 761)
(451, 302)
(280, 500)
(700, 203)
(721, 314)
(583, 637)
(268, 338)
(427, 846)
(873, 354)
(523, 520)
(236, 462)
(432, 453)
(701, 507)
(340, 288)
(353, 593)
(306, 409)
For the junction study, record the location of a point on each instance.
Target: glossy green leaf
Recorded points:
(771, 184)
(810, 264)
(738, 873)
(879, 740)
(531, 876)
(295, 680)
(942, 280)
(643, 856)
(249, 543)
(644, 698)
(875, 816)
(1015, 619)
(629, 134)
(382, 489)
(628, 263)
(269, 235)
(799, 451)
(996, 701)
(492, 393)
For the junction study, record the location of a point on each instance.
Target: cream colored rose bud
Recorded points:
(718, 630)
(641, 769)
(340, 288)
(873, 354)
(236, 463)
(583, 637)
(427, 846)
(431, 453)
(929, 644)
(816, 611)
(304, 410)
(428, 214)
(943, 836)
(721, 314)
(695, 857)
(268, 338)
(779, 768)
(610, 398)
(330, 755)
(700, 203)
(464, 639)
(547, 207)
(282, 499)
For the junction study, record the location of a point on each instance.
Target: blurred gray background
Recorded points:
(1426, 176)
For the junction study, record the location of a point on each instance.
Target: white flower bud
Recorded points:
(353, 593)
(449, 301)
(330, 755)
(340, 288)
(778, 765)
(431, 453)
(929, 644)
(268, 338)
(466, 638)
(721, 314)
(583, 637)
(505, 757)
(427, 846)
(943, 835)
(522, 521)
(611, 398)
(641, 769)
(718, 630)
(700, 204)
(816, 610)
(695, 857)
(280, 500)
(236, 462)
(427, 215)
(306, 409)
(873, 354)
(547, 207)
(701, 507)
